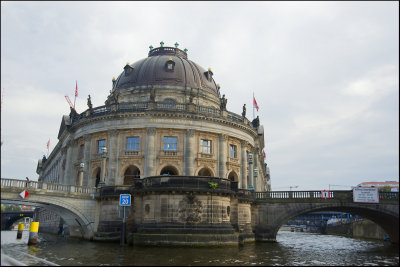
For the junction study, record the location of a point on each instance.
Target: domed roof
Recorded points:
(167, 66)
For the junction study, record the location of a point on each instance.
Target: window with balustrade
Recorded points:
(205, 146)
(133, 143)
(232, 151)
(170, 143)
(100, 145)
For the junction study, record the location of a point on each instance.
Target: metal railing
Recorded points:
(162, 106)
(47, 186)
(201, 183)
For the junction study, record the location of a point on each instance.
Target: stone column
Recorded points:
(64, 156)
(244, 165)
(80, 182)
(112, 157)
(251, 182)
(222, 156)
(86, 159)
(188, 154)
(103, 169)
(69, 174)
(150, 156)
(256, 163)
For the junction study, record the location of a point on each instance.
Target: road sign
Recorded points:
(366, 194)
(125, 199)
(325, 194)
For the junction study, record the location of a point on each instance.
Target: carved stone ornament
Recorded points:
(113, 132)
(243, 143)
(190, 209)
(151, 131)
(86, 137)
(190, 132)
(223, 137)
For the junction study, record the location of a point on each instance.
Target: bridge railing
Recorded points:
(47, 186)
(291, 194)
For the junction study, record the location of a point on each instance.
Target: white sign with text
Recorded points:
(366, 194)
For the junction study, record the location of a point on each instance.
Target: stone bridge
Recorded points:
(75, 204)
(272, 209)
(80, 206)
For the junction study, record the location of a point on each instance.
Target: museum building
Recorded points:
(164, 122)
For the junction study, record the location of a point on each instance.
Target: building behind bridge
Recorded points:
(164, 122)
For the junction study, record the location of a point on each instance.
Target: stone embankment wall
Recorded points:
(361, 229)
(368, 229)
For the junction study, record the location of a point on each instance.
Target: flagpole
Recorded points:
(253, 107)
(76, 85)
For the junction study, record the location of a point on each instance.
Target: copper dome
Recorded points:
(166, 66)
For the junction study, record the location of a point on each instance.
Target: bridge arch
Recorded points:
(8, 218)
(78, 214)
(267, 228)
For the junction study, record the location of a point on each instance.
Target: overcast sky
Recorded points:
(324, 74)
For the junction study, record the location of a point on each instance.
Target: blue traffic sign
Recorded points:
(124, 199)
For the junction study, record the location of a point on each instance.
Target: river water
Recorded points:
(291, 249)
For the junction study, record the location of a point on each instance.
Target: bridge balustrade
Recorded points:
(47, 186)
(291, 194)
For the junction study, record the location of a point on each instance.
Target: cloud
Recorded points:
(325, 75)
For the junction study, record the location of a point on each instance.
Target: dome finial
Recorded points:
(176, 45)
(151, 47)
(127, 63)
(113, 79)
(162, 43)
(185, 50)
(209, 69)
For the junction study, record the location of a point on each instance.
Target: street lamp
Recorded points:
(81, 168)
(255, 172)
(103, 169)
(250, 186)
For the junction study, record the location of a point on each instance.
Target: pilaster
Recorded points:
(112, 154)
(243, 171)
(222, 156)
(188, 159)
(150, 156)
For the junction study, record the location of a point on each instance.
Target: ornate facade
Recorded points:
(164, 116)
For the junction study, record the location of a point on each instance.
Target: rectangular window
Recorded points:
(170, 143)
(100, 145)
(206, 146)
(232, 151)
(132, 143)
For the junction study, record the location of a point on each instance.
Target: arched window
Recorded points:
(130, 174)
(205, 172)
(233, 176)
(169, 103)
(169, 170)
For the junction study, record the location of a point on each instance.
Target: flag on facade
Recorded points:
(48, 144)
(24, 194)
(263, 153)
(76, 89)
(255, 103)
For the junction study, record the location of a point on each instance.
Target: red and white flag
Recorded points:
(76, 89)
(263, 153)
(48, 144)
(255, 103)
(24, 194)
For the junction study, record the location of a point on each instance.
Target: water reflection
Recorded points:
(292, 248)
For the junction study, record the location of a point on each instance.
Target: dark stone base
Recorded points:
(184, 235)
(107, 236)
